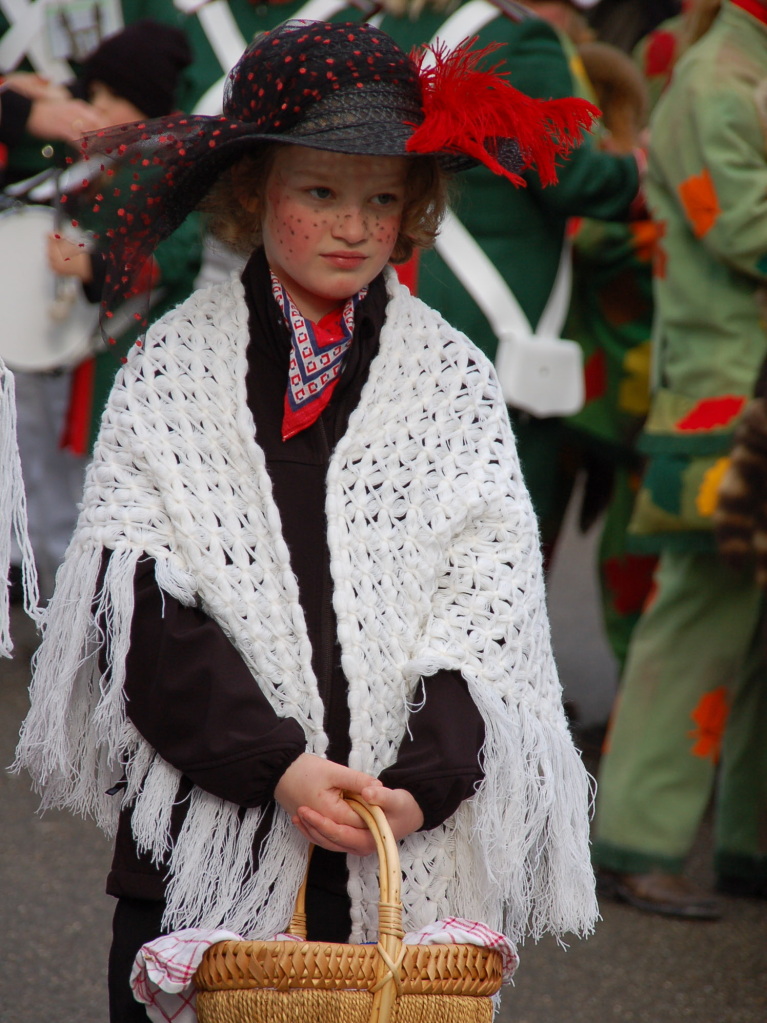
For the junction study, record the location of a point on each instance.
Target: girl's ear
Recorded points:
(242, 183)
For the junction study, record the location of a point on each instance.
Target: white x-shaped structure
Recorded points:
(26, 38)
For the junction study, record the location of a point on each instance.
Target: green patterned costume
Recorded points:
(611, 317)
(695, 686)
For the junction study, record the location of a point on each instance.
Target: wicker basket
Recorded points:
(319, 982)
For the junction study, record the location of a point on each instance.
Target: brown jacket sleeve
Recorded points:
(440, 759)
(193, 698)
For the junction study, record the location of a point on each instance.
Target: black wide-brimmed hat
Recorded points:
(347, 88)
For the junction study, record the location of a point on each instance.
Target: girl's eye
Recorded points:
(320, 192)
(384, 199)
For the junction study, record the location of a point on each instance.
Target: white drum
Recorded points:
(46, 323)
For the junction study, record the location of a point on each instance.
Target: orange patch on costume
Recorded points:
(700, 202)
(647, 235)
(708, 494)
(710, 716)
(712, 412)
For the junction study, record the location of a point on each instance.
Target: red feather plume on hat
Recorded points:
(468, 109)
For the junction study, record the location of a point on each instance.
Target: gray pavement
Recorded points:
(635, 968)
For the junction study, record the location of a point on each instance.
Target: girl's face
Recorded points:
(330, 223)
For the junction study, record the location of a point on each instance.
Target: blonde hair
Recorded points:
(426, 194)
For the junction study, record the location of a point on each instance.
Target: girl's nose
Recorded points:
(351, 224)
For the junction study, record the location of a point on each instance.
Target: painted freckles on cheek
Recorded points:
(385, 231)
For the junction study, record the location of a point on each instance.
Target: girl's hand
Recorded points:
(402, 812)
(315, 785)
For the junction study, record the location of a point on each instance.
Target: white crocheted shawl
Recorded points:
(435, 562)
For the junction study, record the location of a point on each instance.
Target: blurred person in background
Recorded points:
(522, 231)
(611, 317)
(40, 124)
(693, 701)
(132, 74)
(30, 104)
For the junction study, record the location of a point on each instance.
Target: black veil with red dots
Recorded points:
(342, 87)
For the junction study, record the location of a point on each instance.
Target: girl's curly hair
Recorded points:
(426, 195)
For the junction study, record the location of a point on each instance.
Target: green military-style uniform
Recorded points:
(695, 684)
(522, 229)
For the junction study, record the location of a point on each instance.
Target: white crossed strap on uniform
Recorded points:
(228, 43)
(539, 372)
(26, 38)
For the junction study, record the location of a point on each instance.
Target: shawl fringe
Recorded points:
(13, 515)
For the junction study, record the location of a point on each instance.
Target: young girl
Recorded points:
(306, 560)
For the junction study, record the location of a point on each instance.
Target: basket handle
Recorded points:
(390, 948)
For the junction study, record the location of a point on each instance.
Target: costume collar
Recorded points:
(317, 353)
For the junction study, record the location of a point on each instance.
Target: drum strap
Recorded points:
(52, 182)
(476, 272)
(44, 179)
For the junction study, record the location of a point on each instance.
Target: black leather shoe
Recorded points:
(657, 892)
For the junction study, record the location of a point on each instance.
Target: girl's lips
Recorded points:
(345, 259)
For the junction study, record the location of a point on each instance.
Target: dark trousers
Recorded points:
(137, 921)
